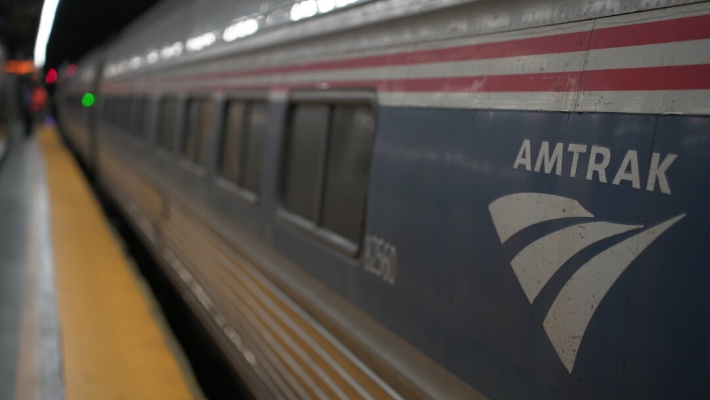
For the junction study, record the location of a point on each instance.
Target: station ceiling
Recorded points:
(79, 26)
(19, 20)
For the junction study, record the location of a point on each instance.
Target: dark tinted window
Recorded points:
(112, 110)
(119, 111)
(242, 143)
(231, 141)
(108, 107)
(198, 124)
(305, 153)
(123, 114)
(105, 108)
(139, 113)
(166, 130)
(327, 164)
(254, 138)
(127, 113)
(348, 170)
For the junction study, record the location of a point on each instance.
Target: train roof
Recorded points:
(178, 32)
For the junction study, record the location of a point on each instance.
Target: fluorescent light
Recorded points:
(177, 49)
(167, 51)
(296, 12)
(240, 30)
(45, 29)
(135, 62)
(152, 57)
(309, 8)
(326, 5)
(197, 43)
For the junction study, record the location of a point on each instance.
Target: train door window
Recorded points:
(242, 143)
(166, 131)
(304, 158)
(199, 123)
(348, 170)
(327, 165)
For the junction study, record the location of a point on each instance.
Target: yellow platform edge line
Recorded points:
(112, 345)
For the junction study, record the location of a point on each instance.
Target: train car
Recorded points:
(423, 200)
(77, 121)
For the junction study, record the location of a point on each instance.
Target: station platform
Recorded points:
(76, 321)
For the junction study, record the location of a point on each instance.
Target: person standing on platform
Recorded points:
(34, 100)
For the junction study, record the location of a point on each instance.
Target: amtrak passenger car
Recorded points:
(421, 199)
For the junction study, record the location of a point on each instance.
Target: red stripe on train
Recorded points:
(679, 77)
(562, 43)
(656, 32)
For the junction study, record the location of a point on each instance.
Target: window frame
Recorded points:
(183, 111)
(139, 115)
(334, 97)
(123, 114)
(104, 108)
(220, 181)
(157, 141)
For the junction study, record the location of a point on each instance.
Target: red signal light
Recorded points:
(71, 70)
(51, 76)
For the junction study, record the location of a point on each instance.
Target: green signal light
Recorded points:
(88, 100)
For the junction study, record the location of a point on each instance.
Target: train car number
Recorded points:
(381, 259)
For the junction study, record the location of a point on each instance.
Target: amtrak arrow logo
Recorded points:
(575, 304)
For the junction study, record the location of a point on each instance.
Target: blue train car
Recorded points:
(411, 199)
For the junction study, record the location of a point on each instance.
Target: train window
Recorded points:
(199, 123)
(121, 115)
(348, 170)
(242, 143)
(254, 140)
(234, 122)
(114, 110)
(304, 158)
(128, 113)
(328, 152)
(166, 131)
(118, 119)
(106, 108)
(117, 112)
(138, 120)
(108, 105)
(126, 120)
